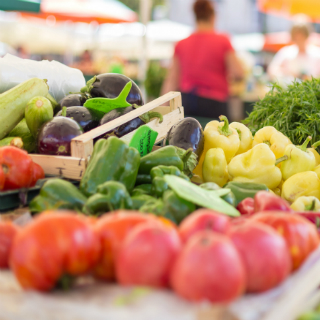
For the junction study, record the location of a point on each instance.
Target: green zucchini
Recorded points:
(22, 131)
(14, 101)
(12, 141)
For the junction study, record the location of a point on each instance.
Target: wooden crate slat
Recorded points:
(67, 167)
(162, 128)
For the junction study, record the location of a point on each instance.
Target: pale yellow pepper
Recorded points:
(301, 184)
(215, 167)
(256, 165)
(219, 135)
(245, 137)
(306, 204)
(315, 152)
(273, 138)
(277, 191)
(317, 170)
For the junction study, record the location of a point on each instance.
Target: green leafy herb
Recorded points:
(294, 111)
(204, 198)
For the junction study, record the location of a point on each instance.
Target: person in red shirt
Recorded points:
(202, 66)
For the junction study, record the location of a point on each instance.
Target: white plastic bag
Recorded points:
(61, 79)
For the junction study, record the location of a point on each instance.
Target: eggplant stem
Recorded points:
(146, 117)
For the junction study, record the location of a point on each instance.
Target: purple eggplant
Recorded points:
(83, 116)
(187, 133)
(55, 136)
(130, 125)
(110, 85)
(71, 100)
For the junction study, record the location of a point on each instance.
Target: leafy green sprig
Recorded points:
(294, 111)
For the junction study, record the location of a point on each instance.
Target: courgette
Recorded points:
(12, 141)
(22, 131)
(14, 101)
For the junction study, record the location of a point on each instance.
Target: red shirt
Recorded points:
(202, 64)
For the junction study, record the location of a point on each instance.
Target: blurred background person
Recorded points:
(86, 63)
(298, 61)
(202, 65)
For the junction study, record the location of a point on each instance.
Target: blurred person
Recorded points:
(202, 66)
(298, 61)
(85, 63)
(22, 53)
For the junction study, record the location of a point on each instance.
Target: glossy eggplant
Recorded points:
(71, 100)
(130, 125)
(55, 136)
(110, 85)
(187, 133)
(83, 116)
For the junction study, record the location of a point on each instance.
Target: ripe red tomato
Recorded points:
(203, 219)
(146, 256)
(38, 173)
(112, 229)
(17, 166)
(2, 179)
(51, 246)
(264, 253)
(209, 268)
(7, 233)
(300, 234)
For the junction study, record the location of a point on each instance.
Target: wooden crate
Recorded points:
(82, 146)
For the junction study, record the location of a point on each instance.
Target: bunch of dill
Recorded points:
(294, 111)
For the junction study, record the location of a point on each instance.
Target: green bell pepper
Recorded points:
(176, 207)
(155, 206)
(138, 201)
(184, 160)
(230, 197)
(58, 194)
(142, 189)
(111, 160)
(110, 196)
(242, 190)
(159, 185)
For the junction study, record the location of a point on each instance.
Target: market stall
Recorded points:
(114, 206)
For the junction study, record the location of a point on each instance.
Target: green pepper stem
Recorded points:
(316, 144)
(65, 282)
(311, 206)
(64, 112)
(146, 117)
(279, 160)
(225, 130)
(305, 144)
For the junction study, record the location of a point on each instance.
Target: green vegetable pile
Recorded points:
(294, 111)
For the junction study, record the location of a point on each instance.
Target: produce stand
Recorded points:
(81, 147)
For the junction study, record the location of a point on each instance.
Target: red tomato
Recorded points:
(300, 234)
(147, 254)
(51, 246)
(38, 173)
(17, 166)
(7, 233)
(203, 219)
(2, 179)
(112, 229)
(209, 268)
(264, 253)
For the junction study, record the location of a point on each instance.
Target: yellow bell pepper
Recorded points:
(256, 165)
(315, 153)
(215, 167)
(306, 204)
(219, 135)
(245, 136)
(273, 138)
(277, 191)
(301, 184)
(317, 171)
(299, 159)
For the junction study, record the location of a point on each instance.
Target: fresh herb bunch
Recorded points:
(294, 111)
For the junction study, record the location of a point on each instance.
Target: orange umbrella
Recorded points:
(101, 11)
(275, 41)
(291, 7)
